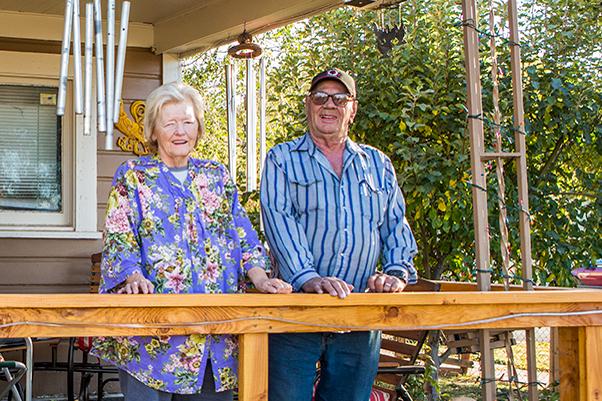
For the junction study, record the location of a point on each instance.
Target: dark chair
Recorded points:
(399, 353)
(25, 345)
(86, 367)
(12, 372)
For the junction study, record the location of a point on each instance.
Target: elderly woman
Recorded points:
(174, 225)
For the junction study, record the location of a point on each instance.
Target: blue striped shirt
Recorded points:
(318, 224)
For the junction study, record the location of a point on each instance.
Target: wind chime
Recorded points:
(108, 91)
(249, 51)
(389, 30)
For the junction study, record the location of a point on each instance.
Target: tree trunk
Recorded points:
(432, 382)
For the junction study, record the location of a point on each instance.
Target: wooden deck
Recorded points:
(578, 313)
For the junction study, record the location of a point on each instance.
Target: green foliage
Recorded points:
(563, 104)
(411, 105)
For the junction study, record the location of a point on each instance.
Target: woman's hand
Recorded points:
(273, 286)
(263, 283)
(137, 284)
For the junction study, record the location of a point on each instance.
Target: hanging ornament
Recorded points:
(245, 48)
(388, 34)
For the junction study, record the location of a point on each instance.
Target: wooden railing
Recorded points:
(578, 313)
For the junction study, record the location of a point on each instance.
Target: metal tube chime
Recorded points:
(231, 107)
(262, 111)
(88, 67)
(262, 124)
(101, 117)
(77, 60)
(108, 92)
(110, 68)
(251, 129)
(123, 38)
(60, 108)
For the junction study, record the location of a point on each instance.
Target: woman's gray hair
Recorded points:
(173, 92)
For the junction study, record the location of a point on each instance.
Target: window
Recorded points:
(47, 164)
(30, 149)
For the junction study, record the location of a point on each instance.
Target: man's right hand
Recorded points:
(331, 285)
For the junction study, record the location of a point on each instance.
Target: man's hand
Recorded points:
(137, 284)
(381, 282)
(331, 285)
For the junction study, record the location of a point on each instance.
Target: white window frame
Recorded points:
(78, 159)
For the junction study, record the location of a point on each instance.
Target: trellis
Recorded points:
(479, 157)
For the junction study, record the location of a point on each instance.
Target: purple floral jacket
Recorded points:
(185, 238)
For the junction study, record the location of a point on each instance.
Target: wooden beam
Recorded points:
(499, 155)
(568, 359)
(520, 146)
(554, 373)
(524, 221)
(479, 191)
(49, 27)
(253, 367)
(580, 359)
(530, 340)
(475, 127)
(454, 286)
(219, 22)
(94, 315)
(591, 337)
(82, 301)
(28, 301)
(254, 315)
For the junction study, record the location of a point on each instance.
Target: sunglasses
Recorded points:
(339, 99)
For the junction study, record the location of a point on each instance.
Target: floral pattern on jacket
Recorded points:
(191, 237)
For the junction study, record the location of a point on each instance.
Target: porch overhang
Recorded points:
(175, 26)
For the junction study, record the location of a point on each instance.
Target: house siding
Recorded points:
(30, 265)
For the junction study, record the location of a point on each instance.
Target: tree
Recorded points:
(412, 107)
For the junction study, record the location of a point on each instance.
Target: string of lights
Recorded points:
(484, 380)
(508, 276)
(470, 23)
(509, 207)
(491, 124)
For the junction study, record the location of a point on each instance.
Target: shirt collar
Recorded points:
(153, 160)
(354, 148)
(306, 144)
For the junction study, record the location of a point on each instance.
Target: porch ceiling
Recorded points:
(184, 26)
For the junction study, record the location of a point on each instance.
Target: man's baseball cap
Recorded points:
(336, 75)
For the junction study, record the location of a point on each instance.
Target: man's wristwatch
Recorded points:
(400, 274)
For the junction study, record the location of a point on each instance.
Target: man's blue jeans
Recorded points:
(348, 364)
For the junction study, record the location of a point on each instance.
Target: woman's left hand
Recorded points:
(137, 284)
(274, 286)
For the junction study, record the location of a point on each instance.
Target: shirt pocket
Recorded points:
(305, 194)
(374, 201)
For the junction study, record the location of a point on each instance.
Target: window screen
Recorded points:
(30, 149)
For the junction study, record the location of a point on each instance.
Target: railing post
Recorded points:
(479, 191)
(253, 367)
(554, 363)
(592, 349)
(580, 357)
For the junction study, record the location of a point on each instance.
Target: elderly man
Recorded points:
(331, 207)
